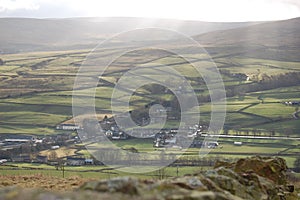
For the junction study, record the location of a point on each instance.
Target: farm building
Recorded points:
(19, 138)
(196, 144)
(238, 143)
(67, 127)
(21, 158)
(55, 147)
(41, 159)
(73, 161)
(77, 161)
(89, 161)
(211, 145)
(16, 140)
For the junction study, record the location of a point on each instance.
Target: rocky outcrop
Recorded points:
(271, 168)
(252, 179)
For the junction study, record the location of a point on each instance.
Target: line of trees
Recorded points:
(116, 156)
(265, 83)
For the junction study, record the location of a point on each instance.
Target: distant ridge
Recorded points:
(28, 34)
(279, 40)
(278, 33)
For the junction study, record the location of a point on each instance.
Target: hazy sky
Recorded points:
(204, 10)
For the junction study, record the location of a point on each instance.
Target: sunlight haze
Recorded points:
(203, 10)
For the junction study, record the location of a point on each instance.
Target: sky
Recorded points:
(201, 10)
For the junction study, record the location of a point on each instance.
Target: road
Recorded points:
(252, 137)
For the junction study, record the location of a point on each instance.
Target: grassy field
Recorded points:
(36, 89)
(286, 149)
(36, 95)
(88, 172)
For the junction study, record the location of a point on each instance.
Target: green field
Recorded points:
(97, 172)
(36, 95)
(36, 89)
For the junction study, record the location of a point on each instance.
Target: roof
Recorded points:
(74, 158)
(17, 140)
(40, 156)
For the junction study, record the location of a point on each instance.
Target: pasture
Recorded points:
(36, 95)
(36, 89)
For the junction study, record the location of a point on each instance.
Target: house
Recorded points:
(41, 159)
(38, 141)
(67, 127)
(21, 158)
(89, 161)
(19, 139)
(13, 140)
(2, 161)
(73, 161)
(55, 147)
(211, 145)
(238, 143)
(196, 144)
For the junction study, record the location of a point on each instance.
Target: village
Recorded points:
(21, 148)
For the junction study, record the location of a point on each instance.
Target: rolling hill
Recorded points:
(279, 40)
(26, 34)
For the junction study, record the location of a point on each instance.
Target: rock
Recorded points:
(270, 168)
(253, 178)
(189, 182)
(125, 185)
(189, 187)
(208, 195)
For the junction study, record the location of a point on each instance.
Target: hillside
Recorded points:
(36, 87)
(278, 40)
(24, 34)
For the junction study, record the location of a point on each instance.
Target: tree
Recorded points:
(272, 134)
(225, 131)
(261, 98)
(105, 118)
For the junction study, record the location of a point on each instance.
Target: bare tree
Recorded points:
(161, 173)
